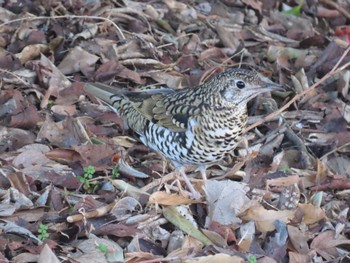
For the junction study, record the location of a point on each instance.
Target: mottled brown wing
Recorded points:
(168, 109)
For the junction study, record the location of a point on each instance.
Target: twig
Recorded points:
(334, 71)
(101, 211)
(19, 78)
(335, 150)
(338, 7)
(121, 35)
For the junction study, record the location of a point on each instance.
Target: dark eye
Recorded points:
(240, 84)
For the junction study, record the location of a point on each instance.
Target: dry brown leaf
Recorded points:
(89, 31)
(31, 52)
(219, 196)
(256, 4)
(298, 239)
(63, 155)
(264, 218)
(295, 257)
(52, 77)
(65, 133)
(326, 244)
(146, 62)
(19, 181)
(248, 233)
(224, 258)
(312, 214)
(162, 198)
(47, 256)
(64, 110)
(77, 60)
(283, 181)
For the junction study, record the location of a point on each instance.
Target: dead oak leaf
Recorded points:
(255, 4)
(112, 68)
(264, 218)
(52, 77)
(326, 244)
(77, 60)
(65, 133)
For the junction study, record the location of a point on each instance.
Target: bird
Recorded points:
(190, 126)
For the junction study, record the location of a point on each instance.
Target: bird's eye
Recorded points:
(240, 84)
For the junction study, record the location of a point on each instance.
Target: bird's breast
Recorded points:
(220, 133)
(207, 138)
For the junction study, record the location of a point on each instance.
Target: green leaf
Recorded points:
(81, 179)
(284, 169)
(173, 216)
(115, 172)
(103, 248)
(43, 232)
(43, 227)
(96, 141)
(89, 170)
(296, 10)
(252, 259)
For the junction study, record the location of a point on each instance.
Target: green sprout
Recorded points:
(103, 248)
(284, 169)
(252, 259)
(88, 186)
(295, 11)
(115, 172)
(50, 103)
(42, 230)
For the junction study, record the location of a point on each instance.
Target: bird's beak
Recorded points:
(265, 87)
(254, 91)
(272, 86)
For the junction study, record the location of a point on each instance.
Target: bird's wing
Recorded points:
(171, 110)
(166, 107)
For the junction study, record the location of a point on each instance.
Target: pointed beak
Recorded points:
(254, 91)
(265, 87)
(272, 86)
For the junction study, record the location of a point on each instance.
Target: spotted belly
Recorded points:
(187, 148)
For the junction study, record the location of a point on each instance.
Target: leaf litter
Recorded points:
(284, 197)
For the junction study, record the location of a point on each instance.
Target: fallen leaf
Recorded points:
(77, 60)
(162, 198)
(264, 218)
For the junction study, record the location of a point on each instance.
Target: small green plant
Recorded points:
(103, 248)
(252, 259)
(115, 172)
(42, 230)
(88, 186)
(295, 11)
(50, 103)
(284, 169)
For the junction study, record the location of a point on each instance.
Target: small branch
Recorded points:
(19, 78)
(121, 35)
(334, 71)
(101, 211)
(336, 6)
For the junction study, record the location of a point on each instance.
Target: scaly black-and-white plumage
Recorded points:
(192, 126)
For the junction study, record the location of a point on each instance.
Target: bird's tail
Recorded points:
(104, 92)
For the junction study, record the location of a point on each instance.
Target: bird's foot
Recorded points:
(195, 195)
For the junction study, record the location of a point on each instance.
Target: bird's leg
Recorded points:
(195, 194)
(243, 143)
(202, 170)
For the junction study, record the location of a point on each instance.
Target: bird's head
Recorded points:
(238, 86)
